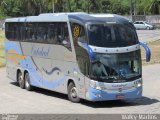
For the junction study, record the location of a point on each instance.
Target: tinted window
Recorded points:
(29, 31)
(111, 35)
(51, 33)
(63, 35)
(141, 23)
(10, 31)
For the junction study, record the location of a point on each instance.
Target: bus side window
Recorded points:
(30, 35)
(7, 33)
(23, 31)
(63, 35)
(41, 32)
(51, 33)
(10, 31)
(18, 32)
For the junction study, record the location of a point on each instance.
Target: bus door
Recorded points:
(81, 53)
(84, 71)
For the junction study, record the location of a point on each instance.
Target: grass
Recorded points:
(155, 52)
(2, 54)
(154, 46)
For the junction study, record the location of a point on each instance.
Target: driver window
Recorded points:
(78, 33)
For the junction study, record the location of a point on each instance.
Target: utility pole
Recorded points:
(69, 6)
(131, 14)
(134, 7)
(53, 5)
(88, 6)
(39, 7)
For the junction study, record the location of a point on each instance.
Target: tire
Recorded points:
(27, 82)
(148, 28)
(72, 93)
(20, 80)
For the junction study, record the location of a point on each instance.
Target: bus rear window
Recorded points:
(115, 35)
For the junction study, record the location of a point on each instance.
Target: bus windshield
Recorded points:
(111, 35)
(116, 67)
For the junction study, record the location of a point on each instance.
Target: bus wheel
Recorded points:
(27, 82)
(72, 93)
(20, 80)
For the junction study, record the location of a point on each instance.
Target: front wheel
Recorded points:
(148, 28)
(27, 82)
(72, 93)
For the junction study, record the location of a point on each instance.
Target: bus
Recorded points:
(95, 57)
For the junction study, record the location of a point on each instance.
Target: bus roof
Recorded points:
(75, 16)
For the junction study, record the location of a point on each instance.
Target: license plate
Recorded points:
(120, 96)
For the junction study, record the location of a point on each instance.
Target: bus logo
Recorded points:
(120, 89)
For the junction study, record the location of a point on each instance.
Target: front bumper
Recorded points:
(100, 95)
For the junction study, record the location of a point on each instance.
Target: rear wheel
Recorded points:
(27, 82)
(72, 93)
(20, 79)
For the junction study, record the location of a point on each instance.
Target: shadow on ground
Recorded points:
(121, 103)
(104, 104)
(45, 92)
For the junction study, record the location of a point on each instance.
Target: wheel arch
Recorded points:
(25, 71)
(69, 81)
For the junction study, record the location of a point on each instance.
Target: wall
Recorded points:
(1, 23)
(149, 18)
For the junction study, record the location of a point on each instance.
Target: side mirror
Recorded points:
(148, 51)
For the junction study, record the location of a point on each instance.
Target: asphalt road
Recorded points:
(148, 35)
(16, 100)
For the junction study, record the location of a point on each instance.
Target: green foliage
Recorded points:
(16, 8)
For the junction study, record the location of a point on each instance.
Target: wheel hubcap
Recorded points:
(73, 92)
(26, 82)
(20, 79)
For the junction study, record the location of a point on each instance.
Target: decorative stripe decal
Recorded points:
(13, 59)
(17, 55)
(13, 56)
(52, 71)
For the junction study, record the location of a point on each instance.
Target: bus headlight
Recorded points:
(95, 85)
(139, 84)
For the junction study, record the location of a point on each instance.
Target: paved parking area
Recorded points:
(148, 35)
(16, 100)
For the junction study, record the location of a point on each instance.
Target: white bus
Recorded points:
(86, 56)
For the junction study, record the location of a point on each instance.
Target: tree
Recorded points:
(154, 7)
(149, 7)
(34, 7)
